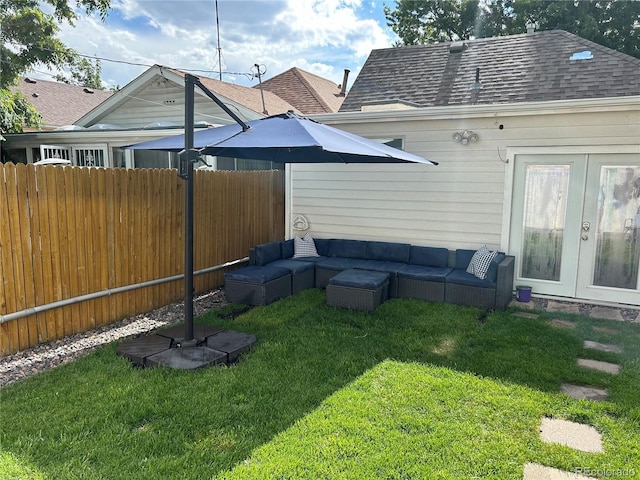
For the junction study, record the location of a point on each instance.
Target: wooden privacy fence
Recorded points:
(69, 231)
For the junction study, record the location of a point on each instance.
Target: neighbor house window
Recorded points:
(391, 142)
(14, 155)
(229, 163)
(154, 159)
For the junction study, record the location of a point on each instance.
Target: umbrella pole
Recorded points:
(189, 155)
(189, 114)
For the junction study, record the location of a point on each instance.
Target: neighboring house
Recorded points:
(59, 104)
(308, 93)
(151, 106)
(538, 140)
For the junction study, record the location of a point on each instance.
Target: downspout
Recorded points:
(110, 291)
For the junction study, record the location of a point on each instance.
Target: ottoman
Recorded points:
(358, 289)
(255, 285)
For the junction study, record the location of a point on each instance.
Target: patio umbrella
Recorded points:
(285, 138)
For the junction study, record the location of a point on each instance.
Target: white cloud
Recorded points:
(320, 36)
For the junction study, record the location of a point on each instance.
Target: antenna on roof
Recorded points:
(259, 74)
(219, 49)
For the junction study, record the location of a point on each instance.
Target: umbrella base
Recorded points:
(167, 348)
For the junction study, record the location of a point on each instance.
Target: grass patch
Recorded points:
(413, 390)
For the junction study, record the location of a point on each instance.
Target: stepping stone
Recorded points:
(562, 323)
(525, 305)
(610, 331)
(532, 316)
(534, 471)
(606, 367)
(570, 434)
(563, 307)
(606, 313)
(603, 347)
(582, 392)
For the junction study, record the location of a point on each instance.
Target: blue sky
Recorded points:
(320, 36)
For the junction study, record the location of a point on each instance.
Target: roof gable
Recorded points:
(307, 92)
(517, 68)
(60, 103)
(246, 101)
(250, 98)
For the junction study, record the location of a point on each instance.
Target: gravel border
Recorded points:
(45, 356)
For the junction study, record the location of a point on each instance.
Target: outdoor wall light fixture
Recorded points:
(465, 137)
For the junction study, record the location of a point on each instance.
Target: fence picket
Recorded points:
(71, 231)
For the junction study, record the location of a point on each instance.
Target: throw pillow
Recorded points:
(304, 247)
(480, 262)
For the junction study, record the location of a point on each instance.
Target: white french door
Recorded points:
(575, 223)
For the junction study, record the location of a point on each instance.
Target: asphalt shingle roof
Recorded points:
(246, 96)
(517, 68)
(307, 92)
(60, 103)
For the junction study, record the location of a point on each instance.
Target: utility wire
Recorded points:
(137, 64)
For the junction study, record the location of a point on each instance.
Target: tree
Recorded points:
(16, 112)
(614, 24)
(29, 38)
(418, 22)
(83, 73)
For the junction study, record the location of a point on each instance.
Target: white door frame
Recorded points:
(512, 152)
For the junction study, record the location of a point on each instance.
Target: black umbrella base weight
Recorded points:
(167, 348)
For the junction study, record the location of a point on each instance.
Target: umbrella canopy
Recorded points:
(286, 138)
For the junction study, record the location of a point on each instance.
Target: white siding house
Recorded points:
(555, 183)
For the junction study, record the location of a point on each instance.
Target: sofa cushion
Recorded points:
(307, 259)
(294, 266)
(304, 247)
(267, 253)
(480, 262)
(425, 273)
(463, 257)
(429, 256)
(392, 268)
(255, 274)
(492, 273)
(287, 249)
(359, 279)
(322, 246)
(339, 263)
(461, 277)
(388, 251)
(347, 248)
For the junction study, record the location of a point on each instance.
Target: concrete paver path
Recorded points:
(603, 347)
(534, 471)
(606, 367)
(583, 392)
(575, 435)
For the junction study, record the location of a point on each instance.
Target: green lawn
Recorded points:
(413, 390)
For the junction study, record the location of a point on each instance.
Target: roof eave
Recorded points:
(484, 110)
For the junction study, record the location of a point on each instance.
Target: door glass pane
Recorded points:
(618, 226)
(545, 206)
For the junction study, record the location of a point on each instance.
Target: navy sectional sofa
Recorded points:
(427, 273)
